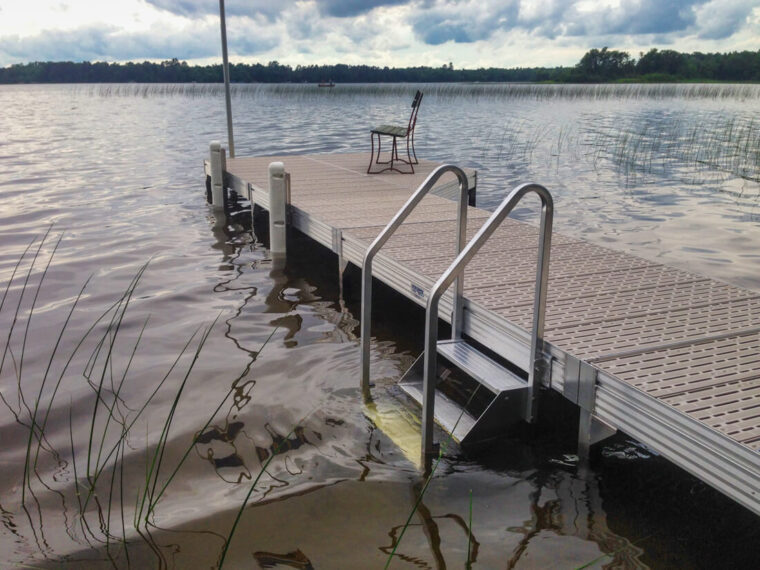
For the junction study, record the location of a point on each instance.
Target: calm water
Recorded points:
(114, 177)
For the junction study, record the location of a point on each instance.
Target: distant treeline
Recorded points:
(597, 65)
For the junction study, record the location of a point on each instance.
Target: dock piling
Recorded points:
(217, 184)
(278, 197)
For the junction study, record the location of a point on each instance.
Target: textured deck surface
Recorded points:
(688, 341)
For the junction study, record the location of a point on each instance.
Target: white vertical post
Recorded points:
(217, 186)
(226, 69)
(277, 208)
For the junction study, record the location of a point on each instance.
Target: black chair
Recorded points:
(395, 133)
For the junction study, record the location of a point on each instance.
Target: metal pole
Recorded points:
(226, 67)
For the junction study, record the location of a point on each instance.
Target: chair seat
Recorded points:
(390, 130)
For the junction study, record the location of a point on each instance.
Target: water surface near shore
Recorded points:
(118, 180)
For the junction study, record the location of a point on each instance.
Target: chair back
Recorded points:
(415, 109)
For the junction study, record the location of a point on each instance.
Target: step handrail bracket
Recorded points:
(454, 271)
(384, 235)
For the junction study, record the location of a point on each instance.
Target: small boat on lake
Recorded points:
(326, 83)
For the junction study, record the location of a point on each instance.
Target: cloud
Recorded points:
(472, 33)
(633, 18)
(466, 21)
(347, 8)
(271, 10)
(719, 20)
(110, 44)
(203, 8)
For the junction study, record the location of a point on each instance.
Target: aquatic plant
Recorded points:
(277, 447)
(430, 473)
(695, 150)
(443, 91)
(100, 493)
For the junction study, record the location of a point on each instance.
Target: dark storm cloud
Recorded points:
(99, 43)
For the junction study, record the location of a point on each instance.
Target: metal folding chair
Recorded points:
(395, 133)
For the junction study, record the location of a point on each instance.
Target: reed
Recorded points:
(718, 148)
(99, 490)
(469, 535)
(275, 450)
(445, 91)
(441, 450)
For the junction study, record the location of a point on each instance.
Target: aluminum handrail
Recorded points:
(451, 274)
(385, 234)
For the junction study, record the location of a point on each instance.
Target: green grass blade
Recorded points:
(428, 479)
(263, 469)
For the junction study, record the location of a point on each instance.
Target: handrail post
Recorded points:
(457, 310)
(539, 304)
(453, 272)
(379, 241)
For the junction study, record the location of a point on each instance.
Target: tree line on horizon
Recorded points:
(597, 65)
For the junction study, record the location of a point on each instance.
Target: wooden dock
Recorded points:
(669, 357)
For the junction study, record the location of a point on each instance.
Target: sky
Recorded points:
(394, 33)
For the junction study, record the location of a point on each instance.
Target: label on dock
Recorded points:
(418, 291)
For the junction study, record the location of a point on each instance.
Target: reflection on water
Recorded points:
(290, 560)
(155, 396)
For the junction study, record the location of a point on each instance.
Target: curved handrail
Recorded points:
(385, 234)
(455, 269)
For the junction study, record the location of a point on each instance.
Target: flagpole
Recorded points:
(226, 67)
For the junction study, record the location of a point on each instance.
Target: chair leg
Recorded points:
(372, 158)
(409, 156)
(372, 153)
(394, 159)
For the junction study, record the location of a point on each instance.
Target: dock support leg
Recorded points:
(217, 175)
(277, 209)
(584, 436)
(590, 429)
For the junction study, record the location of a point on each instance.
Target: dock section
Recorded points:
(669, 357)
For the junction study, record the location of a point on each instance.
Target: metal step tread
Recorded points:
(447, 412)
(483, 369)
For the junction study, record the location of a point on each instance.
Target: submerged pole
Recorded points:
(226, 67)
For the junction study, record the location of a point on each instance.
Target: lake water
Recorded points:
(261, 363)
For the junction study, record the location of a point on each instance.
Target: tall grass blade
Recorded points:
(428, 479)
(205, 427)
(275, 449)
(469, 536)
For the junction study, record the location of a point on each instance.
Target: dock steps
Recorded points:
(448, 414)
(481, 368)
(502, 391)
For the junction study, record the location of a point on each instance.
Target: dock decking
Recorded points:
(675, 355)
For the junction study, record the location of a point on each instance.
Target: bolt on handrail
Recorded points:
(385, 234)
(454, 270)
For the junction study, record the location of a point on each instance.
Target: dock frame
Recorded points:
(616, 380)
